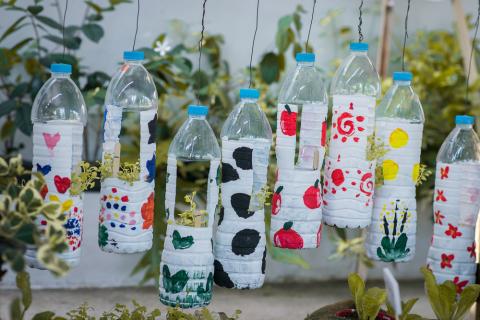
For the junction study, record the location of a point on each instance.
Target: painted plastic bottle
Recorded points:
(186, 268)
(59, 116)
(240, 246)
(349, 171)
(297, 201)
(455, 206)
(399, 126)
(126, 214)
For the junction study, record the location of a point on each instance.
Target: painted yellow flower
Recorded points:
(415, 172)
(66, 205)
(398, 138)
(390, 169)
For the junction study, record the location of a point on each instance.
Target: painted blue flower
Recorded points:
(151, 169)
(73, 227)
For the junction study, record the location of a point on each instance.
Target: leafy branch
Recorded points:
(192, 217)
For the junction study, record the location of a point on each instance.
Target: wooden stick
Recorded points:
(383, 53)
(116, 159)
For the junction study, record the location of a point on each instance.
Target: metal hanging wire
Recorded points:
(405, 36)
(477, 22)
(253, 45)
(200, 46)
(136, 26)
(360, 21)
(63, 29)
(310, 26)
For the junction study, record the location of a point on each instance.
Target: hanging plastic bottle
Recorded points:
(240, 246)
(399, 126)
(456, 203)
(126, 215)
(349, 172)
(297, 199)
(187, 260)
(59, 115)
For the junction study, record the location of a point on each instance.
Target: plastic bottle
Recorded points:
(187, 260)
(399, 127)
(126, 215)
(455, 206)
(297, 199)
(349, 171)
(59, 115)
(240, 246)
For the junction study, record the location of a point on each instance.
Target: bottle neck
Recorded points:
(305, 64)
(403, 83)
(248, 100)
(359, 53)
(134, 62)
(60, 75)
(197, 117)
(465, 126)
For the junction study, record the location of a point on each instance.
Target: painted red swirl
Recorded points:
(345, 126)
(366, 184)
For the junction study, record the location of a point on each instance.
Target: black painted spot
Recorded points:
(245, 242)
(264, 260)
(152, 128)
(240, 203)
(229, 173)
(221, 214)
(243, 158)
(220, 277)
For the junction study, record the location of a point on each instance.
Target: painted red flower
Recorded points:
(472, 251)
(440, 196)
(453, 231)
(444, 172)
(438, 217)
(459, 284)
(147, 212)
(447, 260)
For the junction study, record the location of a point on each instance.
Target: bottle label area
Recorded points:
(456, 202)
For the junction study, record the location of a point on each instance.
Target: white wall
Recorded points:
(234, 19)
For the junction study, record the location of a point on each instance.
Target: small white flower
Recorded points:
(163, 47)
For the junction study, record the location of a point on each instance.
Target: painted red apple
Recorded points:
(288, 121)
(287, 237)
(277, 201)
(44, 191)
(312, 197)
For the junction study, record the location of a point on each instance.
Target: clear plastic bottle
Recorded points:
(246, 140)
(356, 75)
(349, 174)
(126, 215)
(188, 242)
(399, 126)
(456, 205)
(59, 116)
(304, 86)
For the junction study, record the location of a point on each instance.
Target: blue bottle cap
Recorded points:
(305, 57)
(402, 76)
(194, 110)
(61, 68)
(249, 93)
(359, 46)
(464, 119)
(133, 55)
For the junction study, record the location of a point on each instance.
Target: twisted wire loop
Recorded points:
(200, 46)
(405, 36)
(63, 29)
(310, 27)
(136, 27)
(477, 22)
(253, 45)
(360, 21)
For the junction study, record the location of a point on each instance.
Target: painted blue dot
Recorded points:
(109, 205)
(112, 224)
(134, 228)
(122, 226)
(115, 205)
(123, 208)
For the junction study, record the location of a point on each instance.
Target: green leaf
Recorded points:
(15, 310)
(93, 31)
(448, 297)
(49, 22)
(70, 42)
(23, 283)
(46, 315)
(8, 129)
(357, 289)
(433, 293)
(468, 297)
(7, 106)
(270, 68)
(22, 118)
(408, 305)
(19, 90)
(35, 9)
(287, 256)
(13, 27)
(373, 299)
(94, 6)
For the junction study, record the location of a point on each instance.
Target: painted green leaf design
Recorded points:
(102, 236)
(175, 283)
(180, 242)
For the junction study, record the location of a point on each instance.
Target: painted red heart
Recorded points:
(62, 184)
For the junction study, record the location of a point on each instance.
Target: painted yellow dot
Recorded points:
(415, 172)
(398, 138)
(390, 169)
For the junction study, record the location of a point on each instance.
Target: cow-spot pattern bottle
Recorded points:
(240, 244)
(399, 126)
(456, 204)
(126, 213)
(186, 268)
(59, 116)
(297, 199)
(349, 169)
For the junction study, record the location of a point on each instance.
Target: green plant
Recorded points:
(83, 178)
(192, 217)
(367, 302)
(445, 299)
(423, 173)
(406, 308)
(129, 172)
(21, 203)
